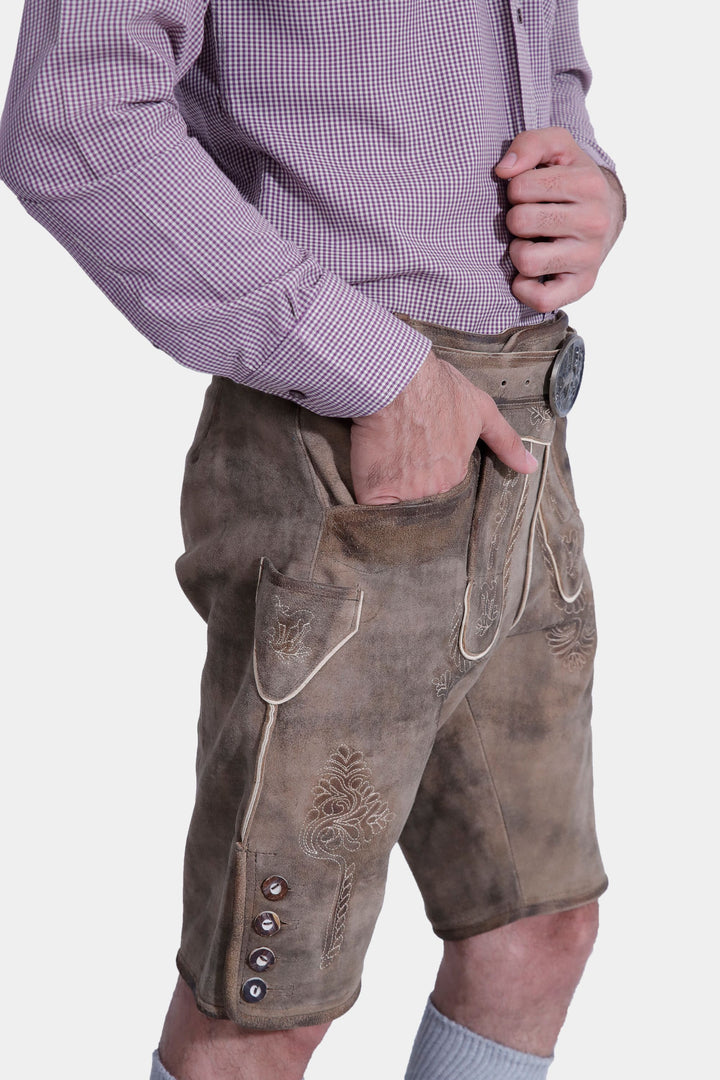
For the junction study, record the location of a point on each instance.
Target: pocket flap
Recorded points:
(299, 625)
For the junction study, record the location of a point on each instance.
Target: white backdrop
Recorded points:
(102, 653)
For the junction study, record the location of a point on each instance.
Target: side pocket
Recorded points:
(560, 525)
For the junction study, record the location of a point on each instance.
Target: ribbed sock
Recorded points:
(444, 1050)
(158, 1071)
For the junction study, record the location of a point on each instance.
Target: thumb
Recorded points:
(544, 146)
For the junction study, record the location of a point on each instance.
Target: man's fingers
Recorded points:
(534, 260)
(408, 485)
(503, 440)
(545, 146)
(545, 296)
(588, 221)
(559, 184)
(540, 219)
(369, 498)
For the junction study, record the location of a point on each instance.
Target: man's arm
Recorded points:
(93, 144)
(420, 444)
(564, 191)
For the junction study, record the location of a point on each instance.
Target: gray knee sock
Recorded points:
(158, 1071)
(444, 1050)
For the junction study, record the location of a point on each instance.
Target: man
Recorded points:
(362, 219)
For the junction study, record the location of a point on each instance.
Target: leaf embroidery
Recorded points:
(287, 633)
(347, 813)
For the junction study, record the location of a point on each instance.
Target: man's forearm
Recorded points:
(163, 232)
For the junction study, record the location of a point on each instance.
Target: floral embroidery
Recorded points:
(572, 642)
(460, 665)
(512, 540)
(442, 684)
(573, 555)
(539, 415)
(286, 635)
(489, 610)
(347, 813)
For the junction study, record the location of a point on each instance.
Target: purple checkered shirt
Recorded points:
(259, 184)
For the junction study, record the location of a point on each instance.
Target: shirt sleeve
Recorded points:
(571, 79)
(94, 146)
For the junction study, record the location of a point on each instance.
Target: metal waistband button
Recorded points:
(566, 375)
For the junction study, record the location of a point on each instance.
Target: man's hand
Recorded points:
(420, 443)
(561, 196)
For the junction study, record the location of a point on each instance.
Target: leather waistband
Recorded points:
(525, 363)
(546, 336)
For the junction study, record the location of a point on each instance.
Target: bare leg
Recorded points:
(514, 984)
(194, 1047)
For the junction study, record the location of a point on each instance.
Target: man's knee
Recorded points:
(573, 932)
(563, 940)
(528, 969)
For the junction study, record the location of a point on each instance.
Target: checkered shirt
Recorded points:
(259, 184)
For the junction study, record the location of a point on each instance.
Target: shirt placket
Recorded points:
(519, 13)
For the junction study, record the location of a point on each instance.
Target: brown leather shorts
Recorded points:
(416, 673)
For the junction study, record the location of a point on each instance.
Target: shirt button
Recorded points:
(274, 888)
(261, 959)
(253, 990)
(296, 395)
(518, 12)
(266, 924)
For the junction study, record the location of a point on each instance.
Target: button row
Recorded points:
(266, 924)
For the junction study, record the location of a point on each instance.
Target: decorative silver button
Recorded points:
(261, 959)
(566, 375)
(253, 990)
(266, 924)
(274, 887)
